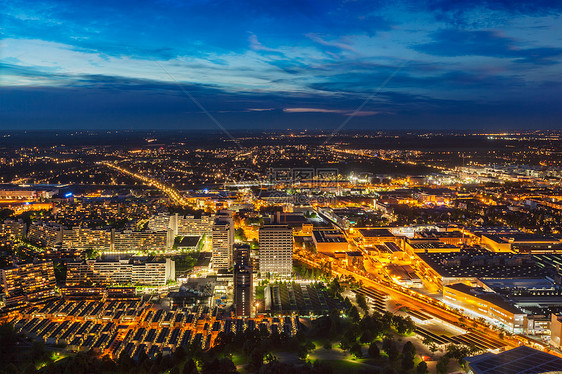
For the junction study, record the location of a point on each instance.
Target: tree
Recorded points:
(91, 253)
(356, 350)
(256, 360)
(374, 350)
(366, 337)
(190, 367)
(39, 352)
(302, 352)
(389, 346)
(362, 302)
(409, 349)
(442, 365)
(354, 313)
(240, 234)
(224, 365)
(422, 368)
(427, 341)
(407, 362)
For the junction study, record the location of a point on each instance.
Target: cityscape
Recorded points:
(139, 254)
(280, 187)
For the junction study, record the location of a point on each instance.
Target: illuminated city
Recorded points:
(341, 187)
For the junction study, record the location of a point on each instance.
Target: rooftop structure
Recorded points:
(470, 265)
(520, 360)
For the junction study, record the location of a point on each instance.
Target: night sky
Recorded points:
(270, 64)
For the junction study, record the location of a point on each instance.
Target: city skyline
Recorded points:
(284, 186)
(412, 65)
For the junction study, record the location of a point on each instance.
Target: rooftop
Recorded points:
(490, 297)
(375, 233)
(520, 360)
(481, 264)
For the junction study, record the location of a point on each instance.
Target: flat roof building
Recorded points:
(223, 240)
(328, 241)
(469, 265)
(276, 250)
(494, 306)
(28, 283)
(515, 361)
(105, 273)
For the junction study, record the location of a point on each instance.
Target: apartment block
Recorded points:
(30, 282)
(276, 250)
(104, 273)
(223, 240)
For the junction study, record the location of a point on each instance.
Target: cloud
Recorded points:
(257, 46)
(333, 44)
(454, 43)
(338, 111)
(261, 109)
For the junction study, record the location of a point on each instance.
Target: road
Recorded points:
(415, 300)
(174, 195)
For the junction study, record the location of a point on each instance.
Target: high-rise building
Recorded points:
(223, 239)
(276, 250)
(31, 282)
(243, 281)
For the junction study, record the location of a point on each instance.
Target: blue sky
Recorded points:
(281, 64)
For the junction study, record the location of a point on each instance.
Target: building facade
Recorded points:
(276, 250)
(243, 282)
(223, 240)
(487, 304)
(105, 273)
(31, 282)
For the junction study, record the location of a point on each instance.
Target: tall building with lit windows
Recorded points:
(223, 240)
(276, 250)
(243, 281)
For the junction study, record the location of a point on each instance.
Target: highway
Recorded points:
(174, 195)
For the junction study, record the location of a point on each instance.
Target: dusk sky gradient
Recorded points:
(280, 64)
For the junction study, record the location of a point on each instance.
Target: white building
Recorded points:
(223, 239)
(276, 250)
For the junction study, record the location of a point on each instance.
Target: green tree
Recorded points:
(409, 349)
(190, 367)
(407, 363)
(389, 346)
(362, 302)
(366, 337)
(356, 350)
(422, 368)
(442, 365)
(354, 313)
(374, 350)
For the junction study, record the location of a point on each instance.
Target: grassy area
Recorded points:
(260, 292)
(348, 366)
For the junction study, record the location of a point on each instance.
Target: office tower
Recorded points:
(243, 281)
(223, 240)
(276, 250)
